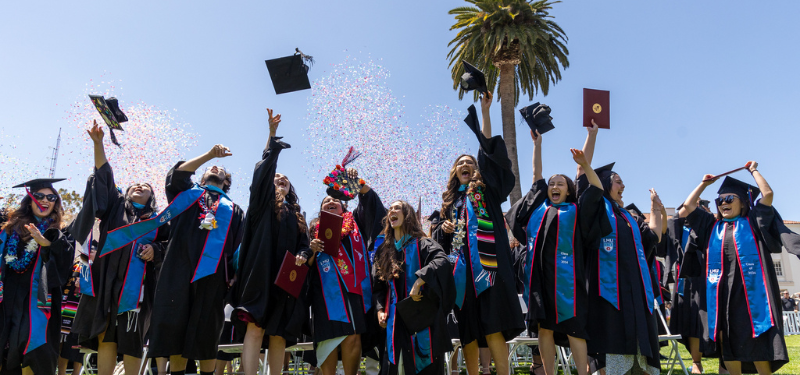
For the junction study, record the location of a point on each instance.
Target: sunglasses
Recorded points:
(726, 199)
(50, 197)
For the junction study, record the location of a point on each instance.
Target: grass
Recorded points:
(711, 365)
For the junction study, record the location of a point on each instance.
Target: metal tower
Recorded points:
(54, 158)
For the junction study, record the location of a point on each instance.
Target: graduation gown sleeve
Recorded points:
(369, 215)
(518, 215)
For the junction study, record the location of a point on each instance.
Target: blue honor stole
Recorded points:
(608, 260)
(215, 240)
(657, 282)
(421, 341)
(755, 284)
(330, 271)
(681, 284)
(564, 258)
(481, 280)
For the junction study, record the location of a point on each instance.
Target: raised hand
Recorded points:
(752, 166)
(709, 179)
(219, 151)
(537, 138)
(96, 133)
(593, 129)
(655, 198)
(352, 173)
(486, 101)
(273, 122)
(579, 157)
(37, 236)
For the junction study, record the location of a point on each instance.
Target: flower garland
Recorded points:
(475, 197)
(207, 219)
(21, 265)
(348, 224)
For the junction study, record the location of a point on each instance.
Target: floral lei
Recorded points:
(207, 219)
(21, 265)
(348, 224)
(476, 198)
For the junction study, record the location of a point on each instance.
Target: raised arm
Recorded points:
(690, 204)
(584, 164)
(766, 191)
(486, 103)
(96, 134)
(537, 156)
(262, 190)
(218, 151)
(655, 224)
(588, 147)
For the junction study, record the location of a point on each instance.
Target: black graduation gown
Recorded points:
(266, 240)
(102, 200)
(368, 216)
(497, 309)
(69, 305)
(437, 274)
(542, 301)
(620, 331)
(733, 322)
(688, 316)
(15, 308)
(188, 316)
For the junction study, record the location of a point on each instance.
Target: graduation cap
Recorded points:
(436, 215)
(605, 171)
(38, 184)
(745, 192)
(111, 114)
(473, 79)
(418, 315)
(340, 185)
(636, 211)
(538, 117)
(290, 73)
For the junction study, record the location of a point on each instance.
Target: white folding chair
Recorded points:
(674, 356)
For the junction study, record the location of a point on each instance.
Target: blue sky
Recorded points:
(696, 87)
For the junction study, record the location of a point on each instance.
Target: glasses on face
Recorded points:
(50, 197)
(726, 199)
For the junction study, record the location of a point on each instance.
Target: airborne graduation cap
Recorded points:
(538, 117)
(745, 192)
(111, 114)
(636, 210)
(39, 184)
(473, 79)
(290, 73)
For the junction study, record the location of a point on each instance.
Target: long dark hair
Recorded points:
(149, 208)
(24, 215)
(453, 184)
(387, 266)
(292, 205)
(745, 208)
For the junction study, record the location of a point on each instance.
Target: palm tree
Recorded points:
(517, 40)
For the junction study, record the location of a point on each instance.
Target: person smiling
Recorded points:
(555, 224)
(36, 262)
(111, 318)
(473, 233)
(408, 264)
(274, 225)
(742, 291)
(340, 287)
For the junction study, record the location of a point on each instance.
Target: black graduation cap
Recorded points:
(418, 315)
(290, 73)
(704, 202)
(111, 114)
(605, 171)
(632, 207)
(746, 192)
(538, 117)
(436, 215)
(473, 79)
(39, 183)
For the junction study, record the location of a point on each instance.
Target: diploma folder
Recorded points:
(330, 232)
(291, 276)
(596, 107)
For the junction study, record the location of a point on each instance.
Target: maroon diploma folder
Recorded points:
(330, 232)
(291, 276)
(595, 107)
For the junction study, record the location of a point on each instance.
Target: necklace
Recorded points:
(207, 219)
(21, 265)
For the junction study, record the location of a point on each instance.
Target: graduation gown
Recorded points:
(266, 240)
(688, 316)
(34, 342)
(632, 327)
(542, 284)
(102, 200)
(367, 216)
(188, 316)
(735, 341)
(497, 309)
(435, 270)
